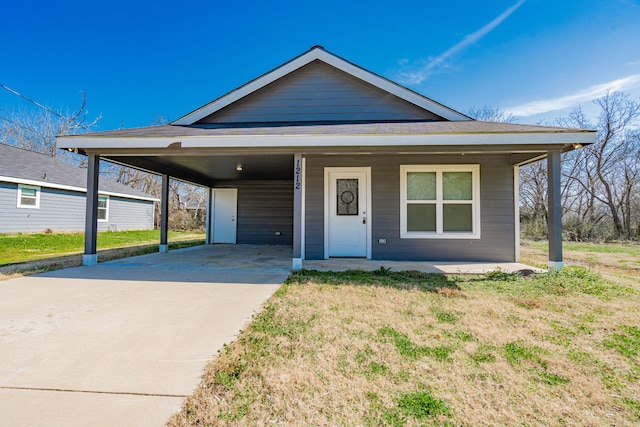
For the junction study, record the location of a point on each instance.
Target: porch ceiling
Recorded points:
(208, 169)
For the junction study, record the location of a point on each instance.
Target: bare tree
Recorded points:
(607, 173)
(487, 113)
(37, 130)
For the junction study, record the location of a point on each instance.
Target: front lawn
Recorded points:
(408, 349)
(617, 261)
(23, 247)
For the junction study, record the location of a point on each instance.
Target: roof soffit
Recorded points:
(319, 54)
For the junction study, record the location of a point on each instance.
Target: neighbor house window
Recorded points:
(440, 201)
(103, 208)
(28, 196)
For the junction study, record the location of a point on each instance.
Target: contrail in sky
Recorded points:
(584, 95)
(417, 77)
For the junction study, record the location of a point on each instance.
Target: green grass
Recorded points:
(24, 247)
(626, 341)
(630, 248)
(570, 280)
(382, 277)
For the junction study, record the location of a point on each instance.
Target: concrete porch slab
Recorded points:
(342, 264)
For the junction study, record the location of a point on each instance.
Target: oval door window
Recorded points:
(347, 203)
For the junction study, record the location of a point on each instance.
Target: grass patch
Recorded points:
(413, 351)
(384, 277)
(444, 316)
(391, 348)
(422, 405)
(24, 247)
(626, 341)
(571, 280)
(483, 354)
(517, 352)
(550, 378)
(633, 405)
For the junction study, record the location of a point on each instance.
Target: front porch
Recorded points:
(219, 257)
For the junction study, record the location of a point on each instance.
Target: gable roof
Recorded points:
(212, 127)
(21, 166)
(318, 53)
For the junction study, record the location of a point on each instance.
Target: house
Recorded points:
(39, 192)
(337, 161)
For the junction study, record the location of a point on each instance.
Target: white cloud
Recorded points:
(421, 74)
(581, 96)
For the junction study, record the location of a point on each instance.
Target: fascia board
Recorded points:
(87, 142)
(249, 141)
(387, 140)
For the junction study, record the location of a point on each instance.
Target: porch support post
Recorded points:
(554, 201)
(164, 214)
(208, 237)
(90, 256)
(297, 212)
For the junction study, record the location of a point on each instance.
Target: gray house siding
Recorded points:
(127, 214)
(64, 210)
(318, 93)
(496, 209)
(264, 209)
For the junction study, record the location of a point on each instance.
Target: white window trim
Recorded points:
(32, 187)
(106, 218)
(439, 234)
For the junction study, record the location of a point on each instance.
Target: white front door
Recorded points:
(225, 212)
(347, 196)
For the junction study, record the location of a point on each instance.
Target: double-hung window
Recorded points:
(28, 196)
(440, 201)
(103, 208)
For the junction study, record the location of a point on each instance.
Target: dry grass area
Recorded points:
(619, 262)
(408, 349)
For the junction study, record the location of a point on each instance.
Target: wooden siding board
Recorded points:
(496, 201)
(264, 208)
(319, 92)
(64, 211)
(127, 214)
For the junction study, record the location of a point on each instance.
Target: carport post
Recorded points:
(164, 214)
(90, 256)
(554, 220)
(297, 211)
(208, 236)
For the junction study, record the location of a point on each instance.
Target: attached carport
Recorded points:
(264, 181)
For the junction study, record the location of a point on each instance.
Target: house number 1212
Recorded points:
(298, 175)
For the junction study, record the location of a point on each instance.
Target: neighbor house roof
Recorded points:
(22, 166)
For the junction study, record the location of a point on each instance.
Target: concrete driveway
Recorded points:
(124, 342)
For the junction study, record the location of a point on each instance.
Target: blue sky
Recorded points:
(139, 59)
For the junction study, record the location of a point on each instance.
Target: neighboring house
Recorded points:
(337, 161)
(39, 192)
